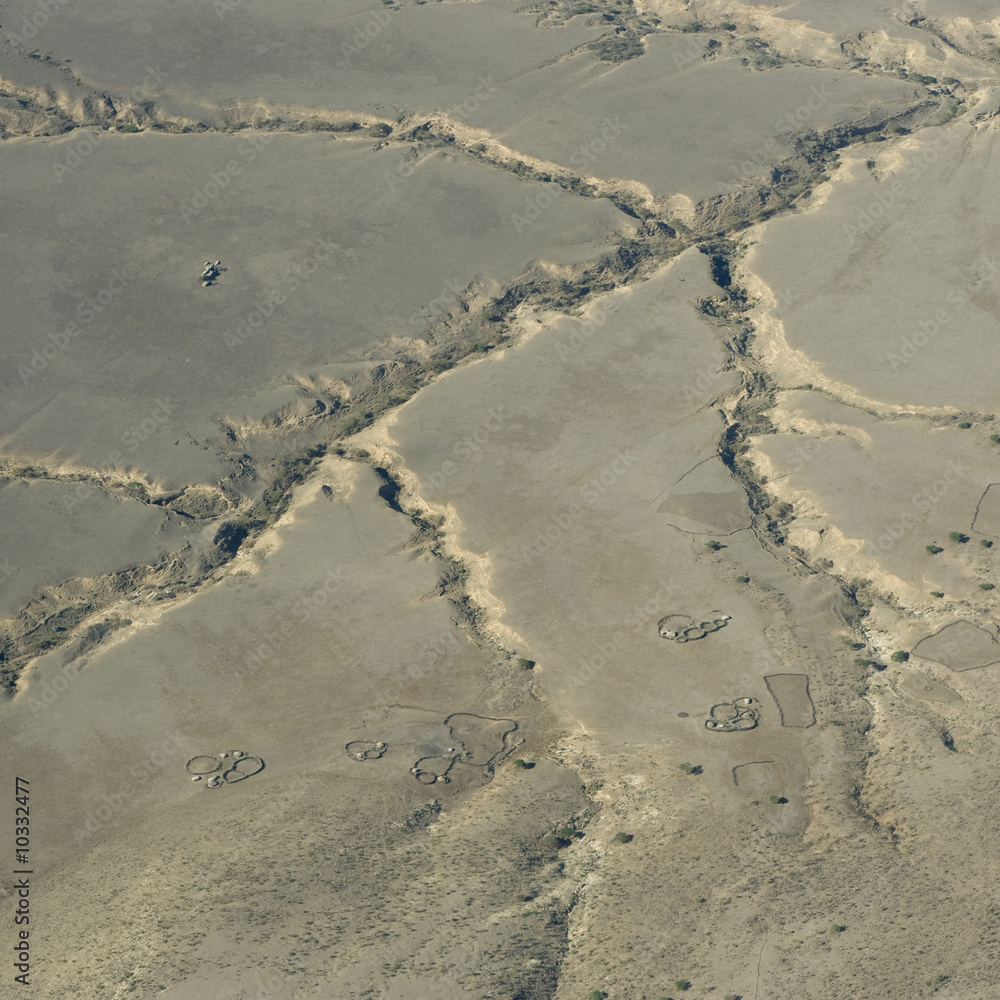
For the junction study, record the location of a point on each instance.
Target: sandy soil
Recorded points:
(553, 555)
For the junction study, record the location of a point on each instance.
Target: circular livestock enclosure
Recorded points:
(202, 764)
(243, 768)
(737, 716)
(684, 628)
(365, 749)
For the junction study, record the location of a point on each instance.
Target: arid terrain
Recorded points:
(500, 500)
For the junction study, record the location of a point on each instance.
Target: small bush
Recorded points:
(778, 800)
(520, 763)
(690, 768)
(860, 661)
(986, 543)
(934, 549)
(742, 579)
(965, 425)
(995, 438)
(623, 838)
(596, 995)
(380, 130)
(937, 593)
(986, 586)
(127, 127)
(957, 536)
(713, 545)
(838, 928)
(525, 664)
(900, 656)
(682, 984)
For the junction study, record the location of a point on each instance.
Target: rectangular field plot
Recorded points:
(791, 694)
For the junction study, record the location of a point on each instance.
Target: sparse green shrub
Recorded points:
(597, 995)
(127, 127)
(352, 424)
(617, 48)
(520, 763)
(713, 545)
(937, 593)
(682, 984)
(690, 768)
(136, 491)
(742, 579)
(986, 586)
(965, 425)
(934, 549)
(995, 438)
(838, 928)
(623, 838)
(957, 536)
(986, 543)
(778, 800)
(860, 661)
(380, 130)
(900, 656)
(525, 664)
